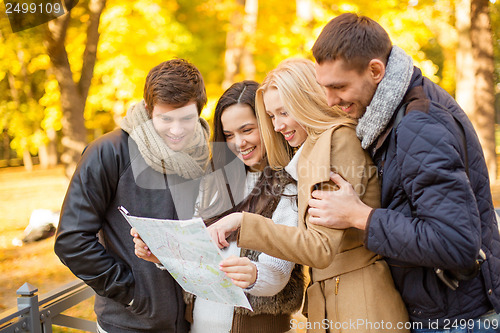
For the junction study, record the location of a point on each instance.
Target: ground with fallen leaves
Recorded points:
(20, 193)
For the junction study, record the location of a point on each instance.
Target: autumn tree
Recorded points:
(240, 42)
(29, 118)
(73, 92)
(228, 40)
(495, 24)
(475, 74)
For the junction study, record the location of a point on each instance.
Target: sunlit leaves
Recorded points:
(51, 104)
(23, 67)
(137, 35)
(134, 38)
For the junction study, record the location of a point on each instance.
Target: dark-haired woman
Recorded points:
(273, 286)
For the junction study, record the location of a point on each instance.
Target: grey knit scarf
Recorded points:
(390, 92)
(189, 163)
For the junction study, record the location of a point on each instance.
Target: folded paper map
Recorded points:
(186, 250)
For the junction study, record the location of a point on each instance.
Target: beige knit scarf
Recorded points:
(189, 163)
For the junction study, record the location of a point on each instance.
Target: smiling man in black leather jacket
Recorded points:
(150, 166)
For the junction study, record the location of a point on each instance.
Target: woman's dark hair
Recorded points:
(268, 191)
(264, 197)
(239, 93)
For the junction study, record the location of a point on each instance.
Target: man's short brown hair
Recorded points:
(354, 39)
(174, 82)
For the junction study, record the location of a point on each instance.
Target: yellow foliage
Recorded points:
(135, 36)
(40, 62)
(348, 7)
(84, 18)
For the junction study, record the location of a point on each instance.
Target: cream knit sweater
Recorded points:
(272, 273)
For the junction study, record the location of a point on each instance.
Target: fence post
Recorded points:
(27, 298)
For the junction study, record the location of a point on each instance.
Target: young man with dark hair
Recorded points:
(150, 166)
(437, 227)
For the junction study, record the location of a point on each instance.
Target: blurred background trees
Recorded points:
(74, 83)
(68, 81)
(475, 87)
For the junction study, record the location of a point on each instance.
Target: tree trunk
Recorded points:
(233, 50)
(47, 153)
(465, 59)
(484, 89)
(28, 163)
(249, 29)
(43, 156)
(239, 43)
(6, 146)
(52, 148)
(73, 94)
(475, 67)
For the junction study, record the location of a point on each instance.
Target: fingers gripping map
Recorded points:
(186, 250)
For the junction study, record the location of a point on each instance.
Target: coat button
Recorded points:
(490, 291)
(419, 313)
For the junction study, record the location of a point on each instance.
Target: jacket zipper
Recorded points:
(337, 282)
(176, 324)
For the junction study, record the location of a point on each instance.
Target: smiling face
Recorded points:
(350, 90)
(294, 134)
(175, 125)
(242, 135)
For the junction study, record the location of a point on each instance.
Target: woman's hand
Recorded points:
(221, 229)
(240, 270)
(141, 249)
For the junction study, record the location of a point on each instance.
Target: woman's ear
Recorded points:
(377, 70)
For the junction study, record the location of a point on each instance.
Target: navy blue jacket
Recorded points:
(433, 213)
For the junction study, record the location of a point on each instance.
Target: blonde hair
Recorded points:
(303, 99)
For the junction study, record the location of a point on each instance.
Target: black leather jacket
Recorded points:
(112, 173)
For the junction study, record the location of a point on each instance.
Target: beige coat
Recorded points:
(351, 288)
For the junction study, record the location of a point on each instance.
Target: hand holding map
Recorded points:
(186, 250)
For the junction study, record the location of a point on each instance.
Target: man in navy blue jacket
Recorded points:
(437, 227)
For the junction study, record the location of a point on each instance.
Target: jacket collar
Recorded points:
(292, 166)
(416, 80)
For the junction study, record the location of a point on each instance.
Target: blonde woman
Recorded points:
(351, 288)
